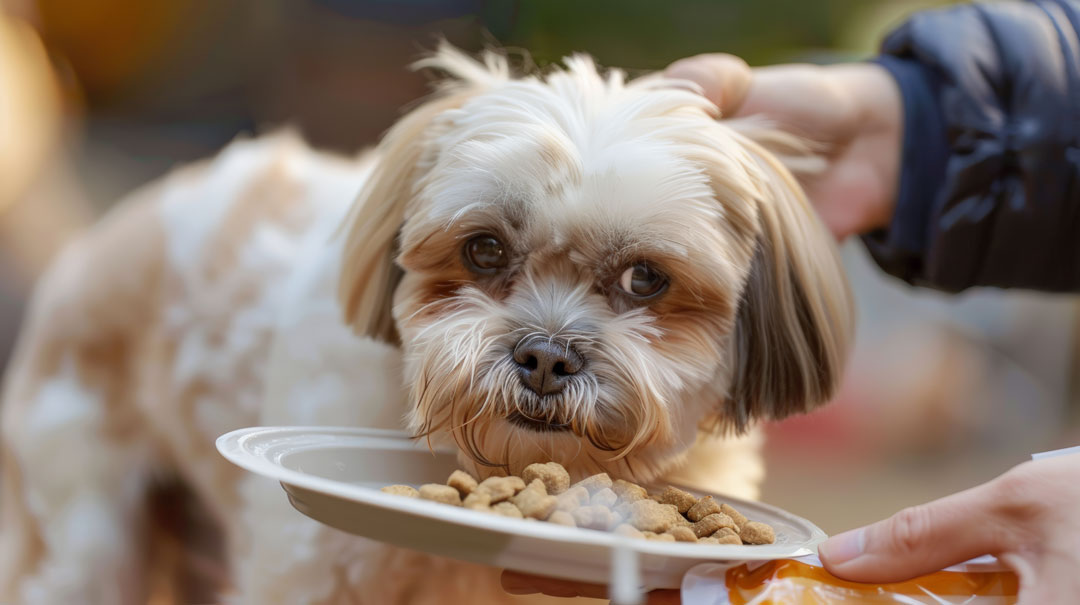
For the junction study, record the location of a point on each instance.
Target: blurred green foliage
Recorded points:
(650, 34)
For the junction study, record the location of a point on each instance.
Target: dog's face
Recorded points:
(589, 271)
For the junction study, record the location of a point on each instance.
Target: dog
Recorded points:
(569, 266)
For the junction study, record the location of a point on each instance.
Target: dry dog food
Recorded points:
(463, 482)
(440, 493)
(544, 492)
(556, 479)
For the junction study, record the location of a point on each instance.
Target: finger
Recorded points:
(723, 78)
(519, 584)
(921, 539)
(1046, 577)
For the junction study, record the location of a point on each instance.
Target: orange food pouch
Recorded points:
(804, 581)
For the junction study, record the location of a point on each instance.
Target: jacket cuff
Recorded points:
(900, 248)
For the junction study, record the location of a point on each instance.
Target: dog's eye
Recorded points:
(641, 281)
(484, 254)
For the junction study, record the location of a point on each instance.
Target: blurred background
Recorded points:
(99, 97)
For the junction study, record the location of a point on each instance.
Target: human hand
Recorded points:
(853, 110)
(520, 584)
(1029, 518)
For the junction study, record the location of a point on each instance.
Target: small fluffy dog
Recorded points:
(566, 267)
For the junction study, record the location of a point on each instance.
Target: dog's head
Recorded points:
(588, 270)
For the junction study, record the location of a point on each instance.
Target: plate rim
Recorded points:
(231, 445)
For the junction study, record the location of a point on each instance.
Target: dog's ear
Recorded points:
(369, 274)
(795, 318)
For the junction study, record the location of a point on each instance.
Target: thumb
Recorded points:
(920, 540)
(723, 78)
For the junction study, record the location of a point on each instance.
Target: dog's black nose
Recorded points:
(546, 364)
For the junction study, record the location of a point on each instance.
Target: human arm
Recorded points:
(961, 166)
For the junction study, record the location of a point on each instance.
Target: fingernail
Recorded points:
(844, 547)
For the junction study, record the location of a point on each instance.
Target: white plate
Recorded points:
(333, 475)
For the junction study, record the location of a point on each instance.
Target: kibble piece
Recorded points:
(534, 502)
(709, 540)
(561, 517)
(726, 535)
(729, 539)
(757, 533)
(648, 515)
(463, 482)
(515, 483)
(628, 492)
(683, 534)
(440, 493)
(507, 509)
(596, 482)
(623, 510)
(604, 497)
(625, 529)
(572, 498)
(682, 500)
(593, 517)
(554, 476)
(535, 486)
(659, 537)
(478, 500)
(703, 508)
(710, 524)
(401, 490)
(496, 489)
(735, 515)
(614, 520)
(501, 488)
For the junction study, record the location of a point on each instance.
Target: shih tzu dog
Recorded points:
(570, 267)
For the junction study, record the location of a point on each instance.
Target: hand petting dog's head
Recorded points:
(588, 270)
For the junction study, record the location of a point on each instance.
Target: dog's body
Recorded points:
(210, 302)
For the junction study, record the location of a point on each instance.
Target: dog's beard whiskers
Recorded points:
(485, 404)
(464, 402)
(474, 451)
(579, 397)
(604, 446)
(469, 386)
(646, 421)
(592, 428)
(428, 426)
(441, 405)
(498, 379)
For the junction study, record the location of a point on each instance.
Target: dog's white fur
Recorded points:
(210, 302)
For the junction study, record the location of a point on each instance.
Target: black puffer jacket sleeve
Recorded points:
(989, 190)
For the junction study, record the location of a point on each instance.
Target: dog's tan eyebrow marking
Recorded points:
(561, 160)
